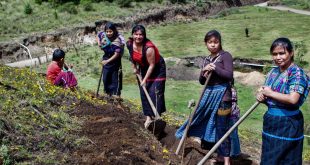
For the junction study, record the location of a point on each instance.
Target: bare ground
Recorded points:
(117, 136)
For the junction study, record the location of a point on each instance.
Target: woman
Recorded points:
(285, 90)
(211, 120)
(112, 43)
(147, 62)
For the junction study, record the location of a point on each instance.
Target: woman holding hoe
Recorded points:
(211, 120)
(112, 43)
(147, 63)
(285, 90)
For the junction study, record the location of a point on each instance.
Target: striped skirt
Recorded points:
(282, 139)
(203, 123)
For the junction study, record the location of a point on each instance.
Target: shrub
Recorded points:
(55, 14)
(178, 1)
(28, 9)
(88, 7)
(38, 2)
(300, 52)
(69, 7)
(267, 68)
(124, 3)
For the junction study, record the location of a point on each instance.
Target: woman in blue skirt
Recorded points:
(112, 43)
(212, 118)
(285, 90)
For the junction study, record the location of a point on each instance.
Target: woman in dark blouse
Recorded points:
(112, 43)
(211, 120)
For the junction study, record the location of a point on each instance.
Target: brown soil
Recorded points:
(118, 136)
(250, 79)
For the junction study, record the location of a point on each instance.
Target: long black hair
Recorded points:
(110, 25)
(143, 31)
(215, 34)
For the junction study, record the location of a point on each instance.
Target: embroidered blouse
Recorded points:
(293, 79)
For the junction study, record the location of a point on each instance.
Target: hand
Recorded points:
(135, 71)
(206, 74)
(143, 83)
(67, 66)
(260, 97)
(104, 62)
(209, 67)
(70, 66)
(267, 91)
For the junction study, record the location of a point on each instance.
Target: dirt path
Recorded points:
(284, 8)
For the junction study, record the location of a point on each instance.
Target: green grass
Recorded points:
(14, 23)
(265, 25)
(298, 4)
(180, 40)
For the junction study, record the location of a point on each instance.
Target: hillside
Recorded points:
(44, 124)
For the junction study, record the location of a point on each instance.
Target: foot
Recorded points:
(147, 122)
(217, 160)
(226, 161)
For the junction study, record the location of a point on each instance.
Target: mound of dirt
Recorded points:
(117, 136)
(249, 79)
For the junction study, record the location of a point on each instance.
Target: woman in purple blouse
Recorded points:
(211, 120)
(285, 90)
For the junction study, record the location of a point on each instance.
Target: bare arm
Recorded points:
(150, 57)
(115, 55)
(291, 98)
(98, 41)
(134, 68)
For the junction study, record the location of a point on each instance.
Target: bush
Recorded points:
(38, 2)
(69, 7)
(124, 3)
(267, 68)
(300, 52)
(55, 14)
(28, 9)
(88, 7)
(178, 1)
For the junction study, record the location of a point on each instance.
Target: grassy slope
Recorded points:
(188, 42)
(35, 127)
(14, 23)
(298, 4)
(264, 25)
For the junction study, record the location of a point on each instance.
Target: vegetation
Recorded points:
(20, 19)
(189, 42)
(264, 26)
(35, 126)
(299, 4)
(28, 9)
(29, 110)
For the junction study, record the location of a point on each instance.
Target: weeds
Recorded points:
(28, 9)
(41, 115)
(4, 155)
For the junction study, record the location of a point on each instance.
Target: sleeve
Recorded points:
(117, 49)
(227, 71)
(297, 81)
(121, 38)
